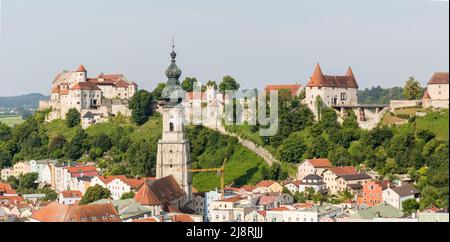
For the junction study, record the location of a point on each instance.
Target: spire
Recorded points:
(173, 74)
(81, 69)
(350, 72)
(173, 54)
(317, 80)
(352, 80)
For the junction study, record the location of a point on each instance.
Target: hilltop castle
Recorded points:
(95, 98)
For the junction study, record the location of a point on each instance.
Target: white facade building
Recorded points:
(104, 96)
(437, 94)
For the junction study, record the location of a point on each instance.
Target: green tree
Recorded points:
(94, 194)
(13, 181)
(292, 149)
(412, 90)
(320, 105)
(157, 93)
(410, 206)
(127, 195)
(73, 118)
(211, 83)
(5, 132)
(76, 147)
(229, 84)
(141, 106)
(188, 84)
(28, 181)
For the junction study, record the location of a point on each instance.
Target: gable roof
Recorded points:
(293, 88)
(355, 177)
(265, 183)
(345, 170)
(266, 200)
(319, 163)
(159, 192)
(183, 218)
(71, 194)
(320, 80)
(248, 188)
(81, 69)
(86, 86)
(426, 95)
(406, 190)
(56, 212)
(439, 78)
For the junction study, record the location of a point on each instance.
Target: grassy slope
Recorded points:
(436, 122)
(11, 120)
(244, 166)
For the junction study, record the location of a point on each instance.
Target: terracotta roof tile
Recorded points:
(81, 69)
(266, 200)
(248, 188)
(85, 86)
(426, 95)
(265, 184)
(146, 220)
(56, 212)
(292, 88)
(346, 170)
(320, 163)
(320, 80)
(439, 78)
(183, 218)
(159, 192)
(72, 194)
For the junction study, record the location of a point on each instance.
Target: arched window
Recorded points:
(171, 127)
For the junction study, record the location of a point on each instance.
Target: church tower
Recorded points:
(174, 149)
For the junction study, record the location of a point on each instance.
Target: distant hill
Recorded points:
(378, 95)
(23, 101)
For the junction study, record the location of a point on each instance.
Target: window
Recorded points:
(343, 96)
(171, 127)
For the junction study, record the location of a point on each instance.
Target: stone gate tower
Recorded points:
(174, 149)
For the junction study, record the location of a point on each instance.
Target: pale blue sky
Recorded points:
(256, 41)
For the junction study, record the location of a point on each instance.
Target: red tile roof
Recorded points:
(85, 86)
(248, 188)
(265, 184)
(11, 199)
(232, 199)
(439, 78)
(292, 88)
(280, 209)
(78, 171)
(72, 194)
(346, 170)
(159, 192)
(426, 96)
(81, 69)
(182, 218)
(56, 212)
(320, 80)
(7, 189)
(266, 200)
(320, 163)
(146, 220)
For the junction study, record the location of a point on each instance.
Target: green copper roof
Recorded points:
(173, 90)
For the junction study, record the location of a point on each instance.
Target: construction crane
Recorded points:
(220, 171)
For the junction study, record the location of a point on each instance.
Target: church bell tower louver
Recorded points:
(174, 149)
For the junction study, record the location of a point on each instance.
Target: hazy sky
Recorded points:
(256, 41)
